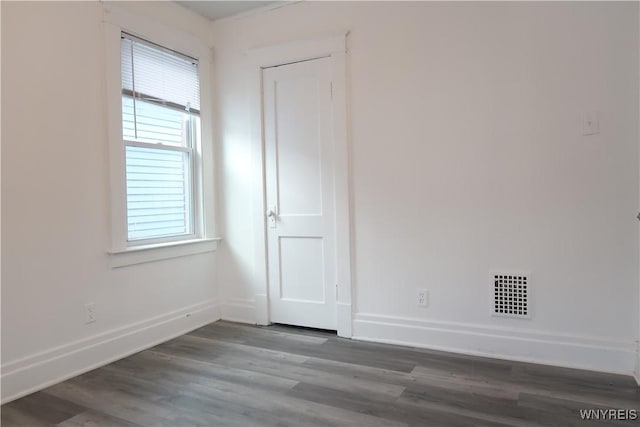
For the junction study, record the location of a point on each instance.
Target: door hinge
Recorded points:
(331, 89)
(336, 292)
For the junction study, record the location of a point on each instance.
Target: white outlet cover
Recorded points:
(90, 313)
(422, 297)
(591, 123)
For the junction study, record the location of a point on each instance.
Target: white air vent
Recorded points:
(511, 295)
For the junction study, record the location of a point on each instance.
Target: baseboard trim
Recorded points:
(36, 372)
(345, 319)
(238, 310)
(501, 343)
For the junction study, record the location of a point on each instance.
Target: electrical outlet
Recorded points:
(591, 123)
(422, 297)
(90, 312)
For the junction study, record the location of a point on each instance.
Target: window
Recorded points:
(160, 131)
(160, 135)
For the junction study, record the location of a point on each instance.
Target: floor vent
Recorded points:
(511, 295)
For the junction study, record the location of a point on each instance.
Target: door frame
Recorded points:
(333, 47)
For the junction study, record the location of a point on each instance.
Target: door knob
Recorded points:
(271, 215)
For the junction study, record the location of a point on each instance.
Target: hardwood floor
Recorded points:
(227, 374)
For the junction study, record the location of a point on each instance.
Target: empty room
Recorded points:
(320, 213)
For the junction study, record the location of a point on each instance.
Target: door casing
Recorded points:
(334, 48)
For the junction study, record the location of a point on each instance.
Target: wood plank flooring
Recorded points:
(228, 374)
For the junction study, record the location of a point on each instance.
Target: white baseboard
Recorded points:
(41, 370)
(238, 310)
(345, 320)
(501, 343)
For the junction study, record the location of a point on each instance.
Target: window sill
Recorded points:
(160, 251)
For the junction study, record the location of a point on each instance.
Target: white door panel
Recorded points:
(298, 150)
(300, 188)
(304, 280)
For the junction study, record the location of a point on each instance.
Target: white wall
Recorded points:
(55, 210)
(466, 157)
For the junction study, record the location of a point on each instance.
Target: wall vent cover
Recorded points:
(511, 295)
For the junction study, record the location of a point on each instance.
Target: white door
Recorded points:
(300, 194)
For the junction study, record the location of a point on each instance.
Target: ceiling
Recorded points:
(219, 9)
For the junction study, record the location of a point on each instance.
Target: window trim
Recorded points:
(160, 251)
(116, 21)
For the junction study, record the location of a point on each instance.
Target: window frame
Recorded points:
(124, 252)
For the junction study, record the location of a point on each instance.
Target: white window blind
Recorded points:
(160, 117)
